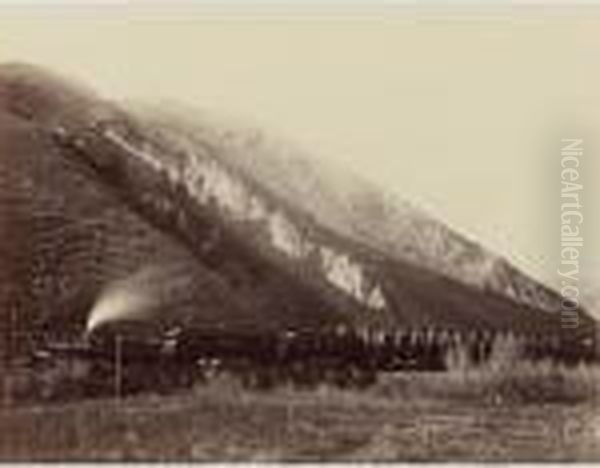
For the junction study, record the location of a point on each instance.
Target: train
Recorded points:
(130, 357)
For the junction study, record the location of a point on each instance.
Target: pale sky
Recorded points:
(460, 111)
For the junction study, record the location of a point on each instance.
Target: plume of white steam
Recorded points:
(131, 298)
(118, 303)
(142, 295)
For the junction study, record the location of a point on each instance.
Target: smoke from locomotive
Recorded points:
(123, 300)
(143, 296)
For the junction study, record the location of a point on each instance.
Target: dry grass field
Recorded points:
(534, 412)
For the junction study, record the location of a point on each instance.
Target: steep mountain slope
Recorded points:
(351, 206)
(102, 195)
(65, 238)
(66, 235)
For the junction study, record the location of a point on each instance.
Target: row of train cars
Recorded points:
(125, 359)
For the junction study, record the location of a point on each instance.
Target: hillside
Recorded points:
(91, 194)
(350, 205)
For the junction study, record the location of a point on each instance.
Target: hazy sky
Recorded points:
(460, 111)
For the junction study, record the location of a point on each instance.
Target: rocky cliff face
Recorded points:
(352, 207)
(209, 182)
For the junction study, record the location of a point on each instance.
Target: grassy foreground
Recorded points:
(447, 416)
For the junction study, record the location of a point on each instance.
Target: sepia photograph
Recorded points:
(352, 233)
